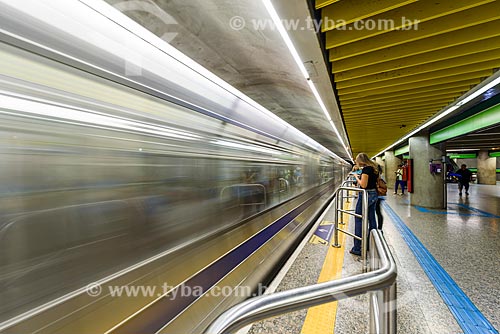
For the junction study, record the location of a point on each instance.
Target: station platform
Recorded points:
(447, 264)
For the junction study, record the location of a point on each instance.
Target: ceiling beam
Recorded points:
(406, 99)
(395, 111)
(324, 3)
(397, 19)
(402, 104)
(456, 38)
(463, 19)
(345, 12)
(375, 95)
(466, 64)
(403, 84)
(443, 58)
(474, 62)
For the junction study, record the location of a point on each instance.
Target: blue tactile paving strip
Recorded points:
(479, 212)
(473, 211)
(468, 317)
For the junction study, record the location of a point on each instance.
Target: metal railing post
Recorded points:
(383, 305)
(390, 309)
(336, 222)
(339, 209)
(346, 182)
(364, 229)
(341, 192)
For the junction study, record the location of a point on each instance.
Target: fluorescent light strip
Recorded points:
(463, 150)
(445, 113)
(284, 34)
(279, 25)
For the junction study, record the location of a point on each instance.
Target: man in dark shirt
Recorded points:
(465, 177)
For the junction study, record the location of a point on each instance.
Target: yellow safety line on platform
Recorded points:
(321, 319)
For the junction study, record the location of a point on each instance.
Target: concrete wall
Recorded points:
(391, 166)
(381, 163)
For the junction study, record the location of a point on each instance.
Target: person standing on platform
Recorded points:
(464, 179)
(368, 181)
(400, 179)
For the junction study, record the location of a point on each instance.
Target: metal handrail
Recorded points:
(351, 182)
(383, 303)
(363, 216)
(383, 278)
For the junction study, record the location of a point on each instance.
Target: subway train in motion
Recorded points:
(125, 164)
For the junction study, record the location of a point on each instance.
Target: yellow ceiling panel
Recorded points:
(394, 86)
(442, 100)
(422, 11)
(440, 69)
(406, 99)
(446, 56)
(414, 110)
(374, 96)
(324, 3)
(344, 12)
(388, 82)
(463, 19)
(420, 47)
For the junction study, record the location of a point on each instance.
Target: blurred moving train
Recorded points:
(111, 178)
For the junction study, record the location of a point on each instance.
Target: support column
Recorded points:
(486, 169)
(382, 164)
(428, 188)
(391, 166)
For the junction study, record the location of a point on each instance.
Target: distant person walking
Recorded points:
(464, 179)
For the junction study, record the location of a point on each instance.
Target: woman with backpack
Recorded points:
(368, 181)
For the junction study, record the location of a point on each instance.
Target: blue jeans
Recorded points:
(372, 223)
(403, 185)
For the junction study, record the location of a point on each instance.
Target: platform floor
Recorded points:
(448, 269)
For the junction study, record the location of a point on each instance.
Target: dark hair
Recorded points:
(463, 165)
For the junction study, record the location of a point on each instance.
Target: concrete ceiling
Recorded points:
(255, 61)
(390, 81)
(387, 82)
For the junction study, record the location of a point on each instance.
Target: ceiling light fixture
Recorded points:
(463, 150)
(284, 34)
(446, 112)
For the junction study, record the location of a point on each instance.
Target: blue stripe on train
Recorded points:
(166, 309)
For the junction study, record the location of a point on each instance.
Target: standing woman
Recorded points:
(368, 181)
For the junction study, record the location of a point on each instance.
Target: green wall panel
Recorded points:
(479, 121)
